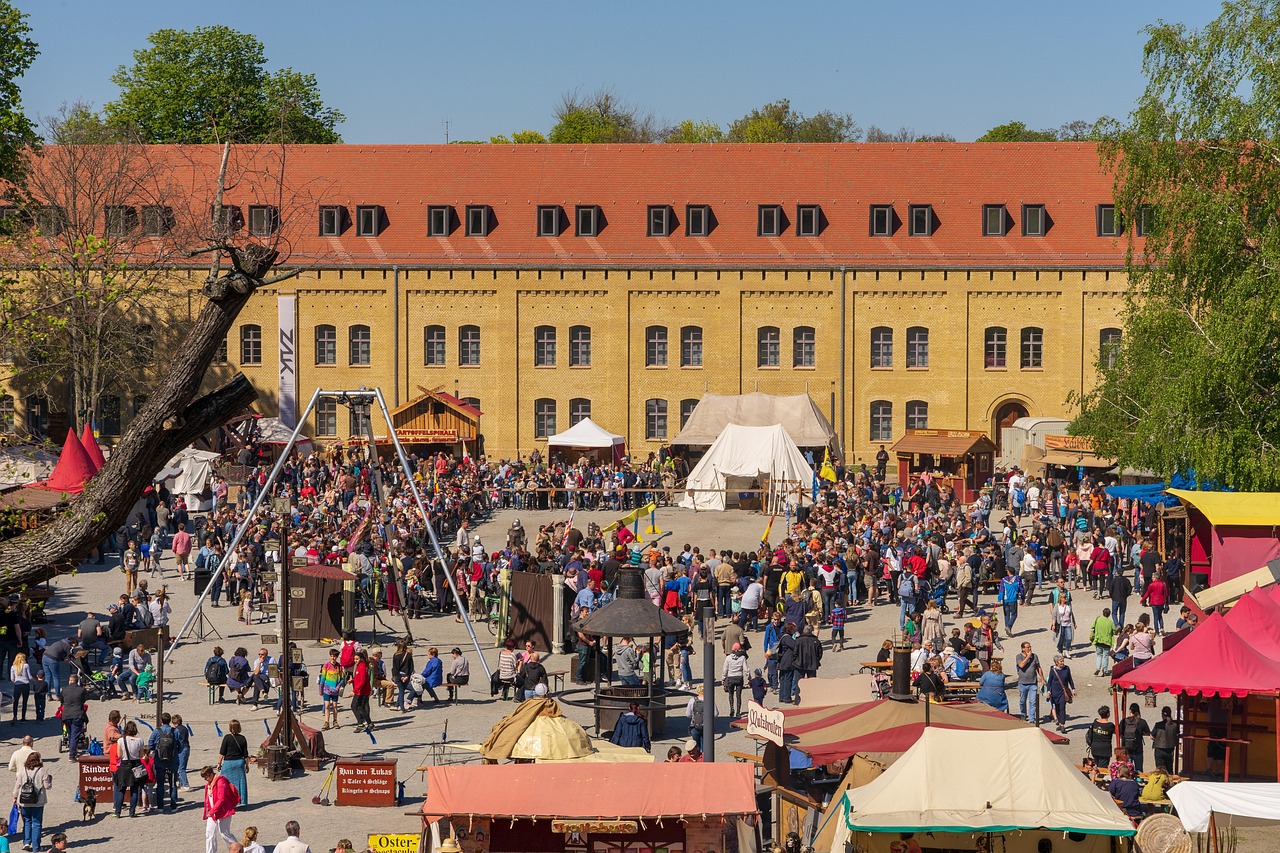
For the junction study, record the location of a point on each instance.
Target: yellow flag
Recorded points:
(827, 472)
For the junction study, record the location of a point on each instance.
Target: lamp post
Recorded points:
(709, 682)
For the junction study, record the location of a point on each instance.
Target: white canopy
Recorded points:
(765, 454)
(980, 781)
(799, 416)
(585, 433)
(1255, 802)
(189, 470)
(25, 464)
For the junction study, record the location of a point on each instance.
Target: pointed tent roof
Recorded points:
(73, 470)
(90, 444)
(798, 414)
(953, 781)
(1212, 661)
(585, 433)
(1257, 617)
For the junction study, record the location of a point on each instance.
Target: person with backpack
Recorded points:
(908, 589)
(347, 653)
(31, 795)
(164, 750)
(1010, 593)
(216, 671)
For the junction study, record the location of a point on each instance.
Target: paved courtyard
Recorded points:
(405, 737)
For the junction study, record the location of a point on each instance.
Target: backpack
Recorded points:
(907, 587)
(347, 657)
(28, 793)
(696, 714)
(165, 745)
(215, 671)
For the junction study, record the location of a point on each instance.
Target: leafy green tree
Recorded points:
(1016, 131)
(17, 52)
(778, 122)
(211, 85)
(691, 132)
(598, 118)
(905, 134)
(520, 137)
(1195, 384)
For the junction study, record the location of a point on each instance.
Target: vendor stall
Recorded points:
(588, 438)
(959, 458)
(1231, 533)
(591, 808)
(1070, 457)
(434, 421)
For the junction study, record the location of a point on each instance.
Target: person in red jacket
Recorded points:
(1156, 596)
(220, 801)
(361, 690)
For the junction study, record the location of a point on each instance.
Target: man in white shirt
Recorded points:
(19, 759)
(292, 843)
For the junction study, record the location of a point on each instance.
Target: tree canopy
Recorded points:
(778, 122)
(210, 85)
(1195, 384)
(17, 52)
(600, 117)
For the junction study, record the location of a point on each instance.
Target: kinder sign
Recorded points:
(765, 723)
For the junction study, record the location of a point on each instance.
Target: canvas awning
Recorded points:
(1226, 509)
(1255, 802)
(586, 433)
(73, 471)
(1257, 617)
(749, 452)
(537, 730)
(1212, 661)
(980, 782)
(1073, 458)
(590, 791)
(798, 415)
(944, 443)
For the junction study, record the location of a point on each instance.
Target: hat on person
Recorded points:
(117, 651)
(758, 672)
(690, 745)
(540, 690)
(737, 647)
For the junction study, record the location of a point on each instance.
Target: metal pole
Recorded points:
(253, 510)
(426, 522)
(377, 496)
(708, 684)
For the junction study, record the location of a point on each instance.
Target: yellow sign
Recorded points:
(1079, 443)
(598, 827)
(631, 517)
(405, 842)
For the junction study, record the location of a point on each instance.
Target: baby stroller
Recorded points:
(939, 595)
(97, 685)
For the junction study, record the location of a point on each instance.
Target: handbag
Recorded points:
(1069, 694)
(137, 770)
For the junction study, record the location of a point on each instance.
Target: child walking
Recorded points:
(837, 625)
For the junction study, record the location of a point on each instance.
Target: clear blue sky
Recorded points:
(399, 68)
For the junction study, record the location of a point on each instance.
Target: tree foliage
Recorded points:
(17, 52)
(690, 132)
(778, 122)
(520, 137)
(599, 118)
(1016, 131)
(211, 85)
(905, 134)
(1196, 383)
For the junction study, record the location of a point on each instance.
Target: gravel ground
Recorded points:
(404, 737)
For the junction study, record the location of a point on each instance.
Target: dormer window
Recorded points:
(549, 220)
(697, 220)
(770, 221)
(332, 218)
(264, 220)
(369, 220)
(660, 220)
(477, 220)
(586, 220)
(921, 218)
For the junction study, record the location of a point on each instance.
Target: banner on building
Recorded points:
(288, 361)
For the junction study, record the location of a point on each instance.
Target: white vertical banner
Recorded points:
(288, 361)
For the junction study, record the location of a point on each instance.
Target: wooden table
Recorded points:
(875, 666)
(557, 678)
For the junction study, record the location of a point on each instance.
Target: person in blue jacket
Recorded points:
(632, 729)
(991, 688)
(433, 673)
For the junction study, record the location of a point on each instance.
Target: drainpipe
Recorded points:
(395, 337)
(844, 438)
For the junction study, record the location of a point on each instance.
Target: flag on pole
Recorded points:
(828, 471)
(568, 526)
(767, 528)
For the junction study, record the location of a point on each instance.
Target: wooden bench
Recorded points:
(965, 690)
(557, 678)
(875, 666)
(212, 689)
(746, 757)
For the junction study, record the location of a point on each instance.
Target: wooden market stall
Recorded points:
(1072, 454)
(437, 418)
(960, 458)
(1230, 533)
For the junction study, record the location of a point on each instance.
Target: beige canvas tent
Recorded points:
(745, 455)
(799, 416)
(960, 786)
(538, 731)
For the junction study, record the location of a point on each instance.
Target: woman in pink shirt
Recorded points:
(1156, 596)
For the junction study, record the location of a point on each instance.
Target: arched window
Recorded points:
(579, 346)
(433, 346)
(361, 342)
(251, 344)
(686, 411)
(882, 347)
(655, 346)
(473, 402)
(995, 347)
(691, 346)
(544, 346)
(917, 414)
(881, 420)
(326, 345)
(769, 347)
(579, 410)
(109, 414)
(804, 347)
(6, 414)
(544, 418)
(917, 347)
(326, 417)
(655, 419)
(469, 346)
(1109, 346)
(1032, 348)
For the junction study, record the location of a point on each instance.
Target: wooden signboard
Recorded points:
(365, 783)
(95, 775)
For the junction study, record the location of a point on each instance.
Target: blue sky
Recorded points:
(399, 68)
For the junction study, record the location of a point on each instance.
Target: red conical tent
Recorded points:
(91, 447)
(73, 470)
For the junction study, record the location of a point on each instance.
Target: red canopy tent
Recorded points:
(73, 470)
(1257, 616)
(91, 447)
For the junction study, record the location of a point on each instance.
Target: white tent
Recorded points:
(967, 782)
(741, 455)
(25, 464)
(798, 414)
(586, 434)
(1236, 802)
(189, 471)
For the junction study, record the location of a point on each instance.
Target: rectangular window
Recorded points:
(549, 221)
(433, 346)
(881, 220)
(882, 347)
(157, 220)
(917, 414)
(1032, 348)
(881, 421)
(579, 346)
(1146, 220)
(544, 346)
(769, 351)
(1108, 221)
(655, 346)
(921, 218)
(119, 219)
(808, 220)
(579, 410)
(368, 220)
(264, 220)
(659, 220)
(697, 220)
(686, 411)
(358, 420)
(996, 354)
(655, 420)
(438, 221)
(993, 220)
(326, 345)
(770, 221)
(251, 344)
(360, 344)
(1033, 220)
(220, 354)
(326, 417)
(917, 347)
(469, 346)
(544, 418)
(477, 220)
(691, 346)
(6, 415)
(804, 349)
(331, 223)
(587, 218)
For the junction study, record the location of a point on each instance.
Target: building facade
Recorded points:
(945, 286)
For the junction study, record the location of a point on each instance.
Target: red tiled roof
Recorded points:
(956, 179)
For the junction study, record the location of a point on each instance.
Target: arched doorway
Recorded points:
(1004, 417)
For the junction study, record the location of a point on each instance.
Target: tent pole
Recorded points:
(1115, 705)
(1213, 832)
(1278, 737)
